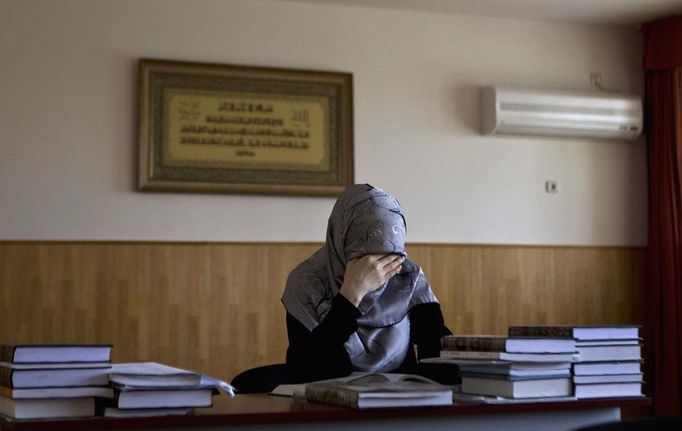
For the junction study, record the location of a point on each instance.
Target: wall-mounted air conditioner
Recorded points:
(519, 111)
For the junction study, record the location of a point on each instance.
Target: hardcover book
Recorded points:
(528, 388)
(41, 376)
(125, 398)
(579, 332)
(616, 342)
(610, 353)
(556, 374)
(509, 356)
(47, 408)
(41, 353)
(610, 378)
(57, 392)
(461, 398)
(53, 365)
(610, 367)
(112, 412)
(508, 344)
(606, 390)
(560, 369)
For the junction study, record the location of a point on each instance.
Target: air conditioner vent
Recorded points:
(518, 111)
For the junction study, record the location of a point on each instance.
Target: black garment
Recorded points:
(319, 354)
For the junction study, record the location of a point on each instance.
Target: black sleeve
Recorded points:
(319, 354)
(427, 326)
(426, 329)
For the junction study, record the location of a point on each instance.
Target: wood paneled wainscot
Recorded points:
(215, 307)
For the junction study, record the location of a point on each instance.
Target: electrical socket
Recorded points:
(551, 186)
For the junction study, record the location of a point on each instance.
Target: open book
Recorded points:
(153, 375)
(372, 390)
(298, 389)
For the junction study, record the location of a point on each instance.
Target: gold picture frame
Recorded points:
(241, 129)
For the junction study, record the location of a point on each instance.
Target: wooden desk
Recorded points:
(264, 412)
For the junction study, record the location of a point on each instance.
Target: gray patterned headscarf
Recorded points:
(364, 220)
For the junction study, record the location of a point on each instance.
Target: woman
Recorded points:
(358, 304)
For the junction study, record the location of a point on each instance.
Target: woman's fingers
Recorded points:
(388, 259)
(386, 266)
(368, 273)
(390, 262)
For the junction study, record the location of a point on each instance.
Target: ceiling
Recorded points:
(598, 12)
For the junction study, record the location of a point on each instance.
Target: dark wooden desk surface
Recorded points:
(266, 409)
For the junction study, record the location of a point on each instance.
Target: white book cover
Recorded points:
(41, 353)
(18, 376)
(606, 390)
(607, 367)
(54, 365)
(610, 353)
(610, 378)
(163, 398)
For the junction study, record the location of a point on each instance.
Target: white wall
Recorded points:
(68, 119)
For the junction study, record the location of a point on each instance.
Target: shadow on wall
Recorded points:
(467, 109)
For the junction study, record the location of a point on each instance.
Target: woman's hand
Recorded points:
(366, 274)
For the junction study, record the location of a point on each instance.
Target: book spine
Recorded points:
(541, 331)
(478, 344)
(6, 377)
(6, 392)
(486, 376)
(7, 353)
(331, 396)
(469, 354)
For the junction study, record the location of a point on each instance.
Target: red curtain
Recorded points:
(663, 330)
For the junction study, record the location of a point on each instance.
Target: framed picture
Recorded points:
(239, 129)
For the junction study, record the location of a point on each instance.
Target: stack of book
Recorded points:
(512, 367)
(609, 358)
(52, 381)
(153, 389)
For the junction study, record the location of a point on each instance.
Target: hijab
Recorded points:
(365, 220)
